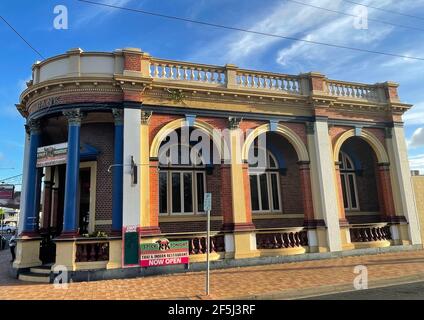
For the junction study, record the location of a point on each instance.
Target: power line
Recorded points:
(253, 31)
(384, 10)
(14, 30)
(355, 16)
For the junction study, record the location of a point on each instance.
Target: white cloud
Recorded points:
(415, 115)
(417, 139)
(95, 13)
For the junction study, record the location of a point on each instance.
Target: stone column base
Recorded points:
(115, 254)
(245, 245)
(27, 253)
(345, 238)
(65, 254)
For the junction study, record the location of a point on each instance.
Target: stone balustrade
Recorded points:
(182, 71)
(92, 251)
(268, 81)
(197, 243)
(280, 239)
(98, 66)
(370, 233)
(353, 91)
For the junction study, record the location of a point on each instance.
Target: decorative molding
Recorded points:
(310, 128)
(33, 126)
(234, 123)
(118, 116)
(74, 116)
(145, 117)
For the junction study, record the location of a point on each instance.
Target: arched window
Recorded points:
(265, 185)
(182, 186)
(348, 181)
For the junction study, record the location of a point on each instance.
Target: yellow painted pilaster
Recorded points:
(144, 170)
(27, 253)
(115, 254)
(65, 254)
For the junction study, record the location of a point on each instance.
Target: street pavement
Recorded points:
(276, 281)
(408, 291)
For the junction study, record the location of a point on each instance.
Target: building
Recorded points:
(335, 175)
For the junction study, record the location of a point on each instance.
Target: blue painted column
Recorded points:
(70, 214)
(31, 208)
(117, 176)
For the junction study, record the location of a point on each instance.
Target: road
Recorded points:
(410, 291)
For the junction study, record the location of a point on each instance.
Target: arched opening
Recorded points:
(188, 167)
(358, 172)
(276, 191)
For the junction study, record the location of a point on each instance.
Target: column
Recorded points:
(402, 187)
(244, 242)
(31, 208)
(117, 175)
(149, 195)
(324, 186)
(70, 214)
(21, 218)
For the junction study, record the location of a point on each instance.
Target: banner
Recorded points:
(163, 253)
(7, 191)
(52, 155)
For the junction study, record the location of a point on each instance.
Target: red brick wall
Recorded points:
(101, 137)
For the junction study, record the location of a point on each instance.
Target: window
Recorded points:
(348, 182)
(265, 185)
(182, 187)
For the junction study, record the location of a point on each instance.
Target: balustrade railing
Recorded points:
(281, 239)
(369, 233)
(353, 91)
(197, 244)
(270, 81)
(187, 72)
(92, 251)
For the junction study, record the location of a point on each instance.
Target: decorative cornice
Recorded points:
(145, 117)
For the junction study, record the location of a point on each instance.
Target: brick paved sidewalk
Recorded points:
(286, 280)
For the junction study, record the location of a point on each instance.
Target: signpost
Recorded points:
(207, 206)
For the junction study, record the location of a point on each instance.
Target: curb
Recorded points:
(295, 294)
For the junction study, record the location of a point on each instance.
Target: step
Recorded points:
(41, 270)
(34, 277)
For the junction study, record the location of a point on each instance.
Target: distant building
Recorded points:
(335, 175)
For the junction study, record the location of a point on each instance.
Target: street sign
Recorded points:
(207, 202)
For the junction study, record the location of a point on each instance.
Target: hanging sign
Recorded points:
(163, 252)
(7, 191)
(52, 155)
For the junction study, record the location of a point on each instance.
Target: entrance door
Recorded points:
(84, 202)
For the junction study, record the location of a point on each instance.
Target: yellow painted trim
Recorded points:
(90, 265)
(290, 135)
(178, 123)
(144, 176)
(282, 252)
(375, 144)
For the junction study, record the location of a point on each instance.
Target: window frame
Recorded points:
(268, 171)
(345, 172)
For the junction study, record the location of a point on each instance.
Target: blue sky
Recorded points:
(94, 28)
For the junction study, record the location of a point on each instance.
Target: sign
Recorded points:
(52, 155)
(163, 253)
(130, 249)
(7, 191)
(207, 204)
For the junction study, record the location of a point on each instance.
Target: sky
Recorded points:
(95, 28)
